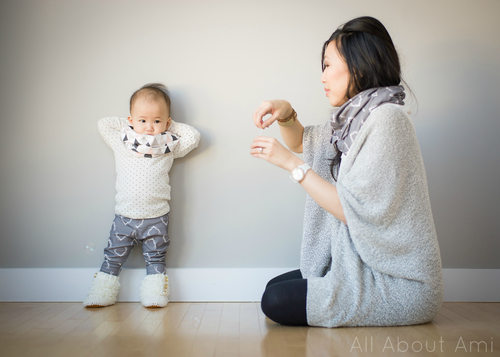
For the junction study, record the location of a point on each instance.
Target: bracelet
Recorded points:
(288, 121)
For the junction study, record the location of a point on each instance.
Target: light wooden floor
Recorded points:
(232, 329)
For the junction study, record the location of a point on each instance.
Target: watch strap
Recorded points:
(305, 167)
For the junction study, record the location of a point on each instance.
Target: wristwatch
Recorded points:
(299, 173)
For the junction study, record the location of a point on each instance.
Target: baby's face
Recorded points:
(149, 117)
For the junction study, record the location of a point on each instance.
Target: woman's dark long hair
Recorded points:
(372, 60)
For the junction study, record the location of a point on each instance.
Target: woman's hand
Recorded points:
(272, 151)
(323, 192)
(277, 108)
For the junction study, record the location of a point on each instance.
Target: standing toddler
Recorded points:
(145, 146)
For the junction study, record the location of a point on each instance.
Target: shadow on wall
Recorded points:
(458, 126)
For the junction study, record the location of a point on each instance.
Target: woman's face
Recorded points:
(335, 76)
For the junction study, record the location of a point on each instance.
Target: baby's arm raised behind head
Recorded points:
(188, 136)
(110, 129)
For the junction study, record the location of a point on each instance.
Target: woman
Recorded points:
(370, 255)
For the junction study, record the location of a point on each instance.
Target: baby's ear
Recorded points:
(129, 120)
(169, 121)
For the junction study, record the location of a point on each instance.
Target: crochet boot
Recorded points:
(103, 290)
(154, 290)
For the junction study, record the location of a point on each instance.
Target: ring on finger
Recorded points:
(261, 150)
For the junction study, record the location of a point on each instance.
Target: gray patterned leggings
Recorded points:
(127, 232)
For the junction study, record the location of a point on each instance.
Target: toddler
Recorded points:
(145, 146)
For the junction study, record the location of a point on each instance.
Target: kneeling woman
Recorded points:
(370, 255)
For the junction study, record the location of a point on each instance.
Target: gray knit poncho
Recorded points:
(383, 268)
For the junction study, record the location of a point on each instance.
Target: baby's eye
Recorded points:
(142, 121)
(157, 122)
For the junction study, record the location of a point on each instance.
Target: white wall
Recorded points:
(65, 64)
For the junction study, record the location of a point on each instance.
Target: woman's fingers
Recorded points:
(265, 147)
(273, 107)
(258, 152)
(258, 149)
(262, 141)
(266, 123)
(263, 110)
(274, 152)
(259, 145)
(259, 120)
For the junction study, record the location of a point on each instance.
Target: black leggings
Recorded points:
(284, 300)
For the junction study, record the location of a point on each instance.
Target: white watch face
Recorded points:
(297, 174)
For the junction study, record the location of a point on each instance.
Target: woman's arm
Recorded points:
(279, 109)
(323, 192)
(292, 135)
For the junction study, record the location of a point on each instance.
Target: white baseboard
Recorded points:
(207, 284)
(186, 284)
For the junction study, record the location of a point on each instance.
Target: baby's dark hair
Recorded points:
(153, 91)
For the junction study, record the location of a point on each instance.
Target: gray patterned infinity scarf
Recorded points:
(149, 146)
(350, 117)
